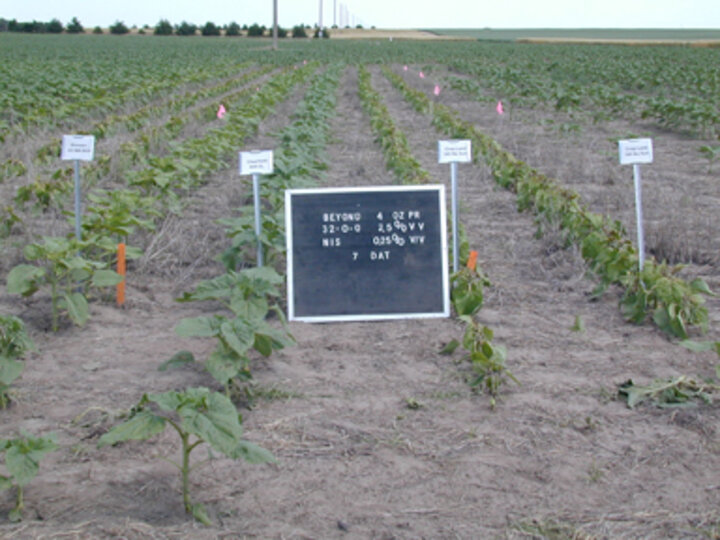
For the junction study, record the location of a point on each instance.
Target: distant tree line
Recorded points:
(38, 27)
(162, 28)
(233, 29)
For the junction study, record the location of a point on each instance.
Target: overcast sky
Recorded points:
(381, 13)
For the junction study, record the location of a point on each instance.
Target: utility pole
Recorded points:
(320, 26)
(275, 25)
(335, 13)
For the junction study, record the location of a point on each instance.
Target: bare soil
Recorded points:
(377, 435)
(390, 33)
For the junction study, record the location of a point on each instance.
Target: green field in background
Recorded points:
(511, 34)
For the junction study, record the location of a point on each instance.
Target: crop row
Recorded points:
(297, 163)
(115, 216)
(249, 293)
(32, 106)
(135, 120)
(245, 298)
(613, 82)
(58, 183)
(488, 360)
(40, 88)
(655, 292)
(398, 156)
(142, 150)
(679, 87)
(197, 415)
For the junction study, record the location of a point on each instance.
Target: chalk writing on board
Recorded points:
(366, 253)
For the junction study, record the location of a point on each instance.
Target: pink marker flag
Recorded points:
(304, 62)
(221, 111)
(422, 75)
(499, 108)
(437, 90)
(405, 68)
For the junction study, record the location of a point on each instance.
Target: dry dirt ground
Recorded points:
(560, 457)
(388, 33)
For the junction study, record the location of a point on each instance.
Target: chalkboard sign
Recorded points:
(366, 253)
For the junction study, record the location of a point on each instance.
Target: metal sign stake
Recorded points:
(258, 222)
(455, 151)
(634, 152)
(639, 215)
(78, 208)
(77, 148)
(455, 220)
(255, 163)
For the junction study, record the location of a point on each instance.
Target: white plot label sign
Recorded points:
(256, 162)
(635, 151)
(78, 148)
(454, 151)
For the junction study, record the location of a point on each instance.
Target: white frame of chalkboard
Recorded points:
(440, 188)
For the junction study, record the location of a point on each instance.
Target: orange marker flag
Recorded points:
(121, 271)
(472, 260)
